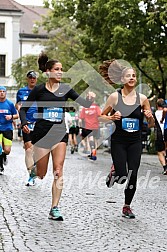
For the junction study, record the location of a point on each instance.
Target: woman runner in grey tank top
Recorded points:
(125, 107)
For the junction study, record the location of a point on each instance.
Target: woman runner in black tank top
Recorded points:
(125, 107)
(128, 128)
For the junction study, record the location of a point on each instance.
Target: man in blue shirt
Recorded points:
(21, 96)
(7, 114)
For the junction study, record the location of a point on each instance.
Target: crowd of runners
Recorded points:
(48, 126)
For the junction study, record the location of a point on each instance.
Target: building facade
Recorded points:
(16, 35)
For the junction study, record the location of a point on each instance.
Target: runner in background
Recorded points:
(84, 139)
(160, 133)
(73, 130)
(90, 116)
(19, 132)
(68, 121)
(21, 97)
(8, 113)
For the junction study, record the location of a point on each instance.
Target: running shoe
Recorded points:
(110, 177)
(55, 214)
(1, 170)
(76, 148)
(127, 212)
(31, 181)
(93, 156)
(72, 150)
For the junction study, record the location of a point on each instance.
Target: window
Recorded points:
(2, 65)
(2, 30)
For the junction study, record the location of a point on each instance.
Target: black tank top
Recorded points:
(128, 129)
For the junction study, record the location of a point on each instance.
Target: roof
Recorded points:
(31, 14)
(8, 5)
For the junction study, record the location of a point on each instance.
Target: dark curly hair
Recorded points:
(113, 70)
(44, 63)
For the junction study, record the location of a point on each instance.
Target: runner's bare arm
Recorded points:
(107, 112)
(147, 111)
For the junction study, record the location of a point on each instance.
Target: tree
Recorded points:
(64, 43)
(22, 66)
(133, 30)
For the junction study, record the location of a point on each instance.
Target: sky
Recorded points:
(30, 2)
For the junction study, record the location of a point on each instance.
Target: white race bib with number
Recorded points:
(130, 124)
(53, 114)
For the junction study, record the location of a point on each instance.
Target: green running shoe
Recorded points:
(55, 214)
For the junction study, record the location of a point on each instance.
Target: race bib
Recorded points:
(130, 124)
(53, 114)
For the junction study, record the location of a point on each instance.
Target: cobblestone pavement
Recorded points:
(92, 212)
